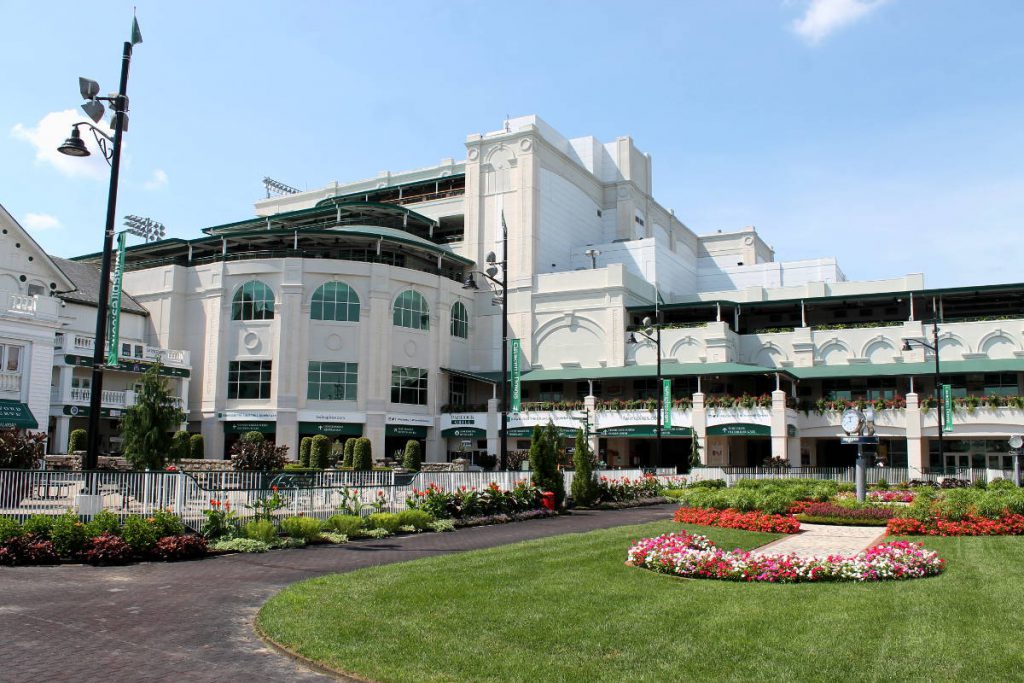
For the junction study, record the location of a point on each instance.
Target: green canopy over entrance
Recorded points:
(16, 415)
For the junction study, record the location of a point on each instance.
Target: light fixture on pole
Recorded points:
(652, 331)
(146, 228)
(934, 348)
(593, 254)
(499, 288)
(73, 147)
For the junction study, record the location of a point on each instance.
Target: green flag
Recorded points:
(517, 392)
(666, 403)
(114, 324)
(136, 33)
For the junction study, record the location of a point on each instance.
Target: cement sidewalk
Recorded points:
(822, 540)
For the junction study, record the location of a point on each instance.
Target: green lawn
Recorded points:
(567, 609)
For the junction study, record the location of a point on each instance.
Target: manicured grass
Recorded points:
(567, 609)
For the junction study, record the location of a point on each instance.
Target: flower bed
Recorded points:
(627, 490)
(734, 519)
(694, 556)
(469, 502)
(877, 515)
(891, 496)
(971, 525)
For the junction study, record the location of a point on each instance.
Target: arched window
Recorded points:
(253, 301)
(335, 301)
(411, 310)
(460, 321)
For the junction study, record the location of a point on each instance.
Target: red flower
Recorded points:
(274, 488)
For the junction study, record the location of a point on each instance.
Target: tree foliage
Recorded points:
(413, 456)
(196, 447)
(148, 426)
(694, 453)
(256, 454)
(584, 481)
(20, 450)
(544, 453)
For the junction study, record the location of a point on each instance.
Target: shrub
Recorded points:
(240, 545)
(103, 522)
(221, 522)
(882, 485)
(290, 542)
(991, 505)
(707, 484)
(320, 452)
(20, 450)
(27, 550)
(378, 533)
(306, 528)
(9, 528)
(196, 447)
(383, 520)
(350, 525)
(78, 440)
(362, 454)
(184, 547)
(980, 484)
(349, 452)
(68, 535)
(584, 484)
(139, 534)
(334, 537)
(412, 459)
(304, 448)
(106, 549)
(180, 446)
(38, 526)
(442, 525)
(954, 483)
(167, 523)
(1000, 484)
(252, 453)
(261, 530)
(418, 519)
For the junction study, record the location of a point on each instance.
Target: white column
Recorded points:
(700, 426)
(780, 438)
(61, 435)
(493, 426)
(917, 455)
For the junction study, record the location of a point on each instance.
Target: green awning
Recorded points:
(16, 415)
(244, 427)
(650, 371)
(644, 431)
(330, 428)
(411, 431)
(739, 429)
(488, 377)
(464, 433)
(948, 367)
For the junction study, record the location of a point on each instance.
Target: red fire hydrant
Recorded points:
(547, 499)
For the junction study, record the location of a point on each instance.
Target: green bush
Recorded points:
(306, 528)
(68, 535)
(362, 454)
(167, 523)
(334, 537)
(196, 447)
(707, 484)
(38, 526)
(180, 446)
(584, 483)
(980, 484)
(383, 520)
(1000, 484)
(377, 533)
(991, 505)
(442, 525)
(241, 545)
(842, 521)
(349, 452)
(78, 441)
(320, 452)
(305, 443)
(955, 504)
(103, 522)
(9, 528)
(415, 518)
(882, 485)
(350, 525)
(139, 534)
(254, 437)
(290, 542)
(412, 459)
(261, 530)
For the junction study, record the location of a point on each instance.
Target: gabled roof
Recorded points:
(58, 275)
(86, 280)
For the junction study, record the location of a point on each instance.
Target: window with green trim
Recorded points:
(460, 321)
(411, 311)
(409, 385)
(335, 301)
(332, 381)
(253, 301)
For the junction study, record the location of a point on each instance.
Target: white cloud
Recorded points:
(158, 181)
(40, 221)
(51, 131)
(823, 17)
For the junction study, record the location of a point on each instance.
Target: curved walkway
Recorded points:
(192, 621)
(822, 540)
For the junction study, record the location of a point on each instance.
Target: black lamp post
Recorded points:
(934, 348)
(652, 331)
(73, 146)
(500, 290)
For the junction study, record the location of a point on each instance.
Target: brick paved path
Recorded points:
(192, 621)
(822, 540)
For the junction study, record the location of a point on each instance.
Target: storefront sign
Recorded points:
(421, 420)
(243, 427)
(330, 416)
(16, 415)
(330, 428)
(123, 366)
(411, 431)
(947, 407)
(643, 431)
(464, 433)
(83, 411)
(527, 432)
(740, 429)
(517, 392)
(666, 403)
(248, 415)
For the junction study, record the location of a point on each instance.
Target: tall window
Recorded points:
(253, 301)
(409, 385)
(460, 321)
(249, 379)
(457, 390)
(411, 310)
(10, 357)
(550, 391)
(332, 381)
(335, 301)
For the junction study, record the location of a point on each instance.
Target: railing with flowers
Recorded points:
(741, 401)
(899, 402)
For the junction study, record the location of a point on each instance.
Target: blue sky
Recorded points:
(885, 133)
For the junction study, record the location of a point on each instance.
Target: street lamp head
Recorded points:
(647, 321)
(491, 258)
(631, 339)
(470, 282)
(906, 345)
(491, 271)
(74, 146)
(94, 109)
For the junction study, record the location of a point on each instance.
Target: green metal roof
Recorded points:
(376, 209)
(949, 367)
(650, 371)
(488, 377)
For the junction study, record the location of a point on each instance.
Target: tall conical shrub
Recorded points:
(305, 443)
(413, 456)
(362, 457)
(349, 453)
(584, 482)
(320, 452)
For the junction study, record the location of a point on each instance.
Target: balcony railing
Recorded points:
(130, 351)
(111, 398)
(10, 382)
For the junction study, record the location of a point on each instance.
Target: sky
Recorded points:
(886, 133)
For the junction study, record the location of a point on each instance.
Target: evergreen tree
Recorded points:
(584, 482)
(553, 475)
(179, 446)
(305, 443)
(413, 457)
(320, 452)
(350, 451)
(147, 426)
(694, 453)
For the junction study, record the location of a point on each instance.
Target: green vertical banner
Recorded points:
(517, 392)
(947, 407)
(114, 324)
(666, 403)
